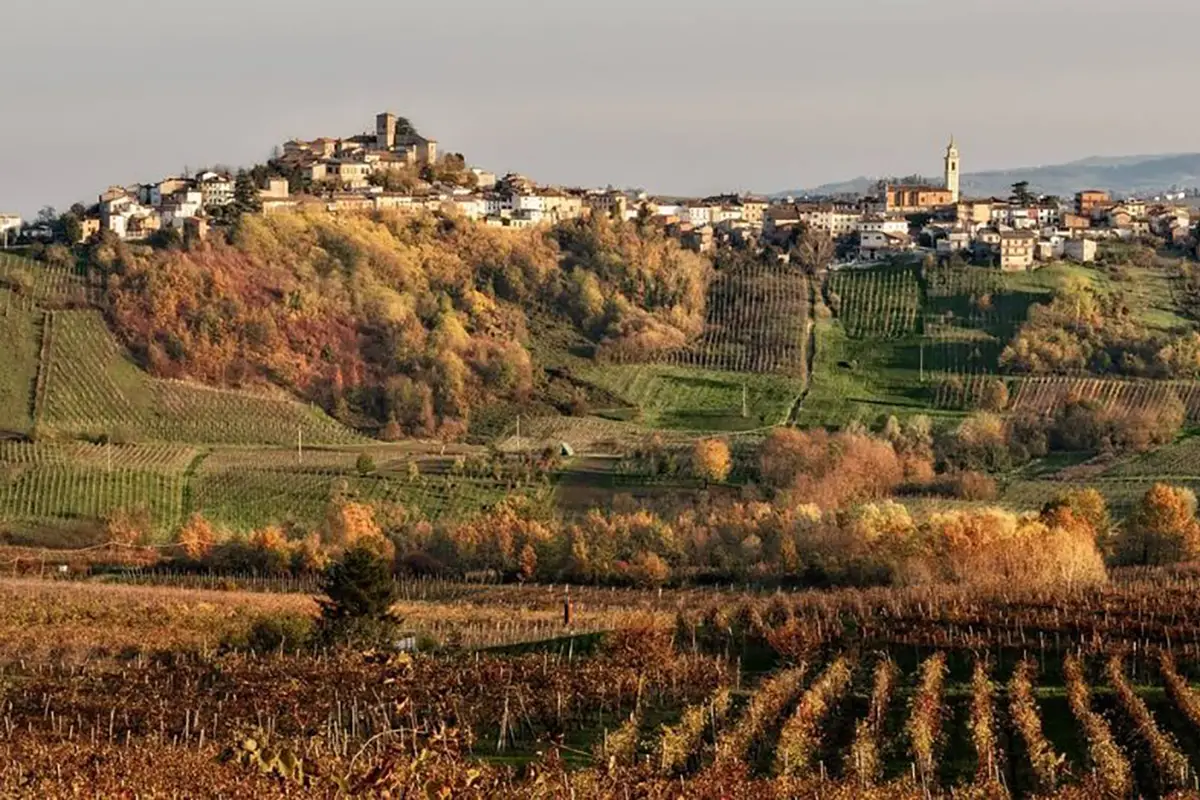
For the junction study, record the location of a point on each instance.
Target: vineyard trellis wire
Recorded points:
(878, 303)
(756, 320)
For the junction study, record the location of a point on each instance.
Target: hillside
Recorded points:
(1122, 175)
(180, 382)
(244, 380)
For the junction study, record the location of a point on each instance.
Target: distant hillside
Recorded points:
(1118, 174)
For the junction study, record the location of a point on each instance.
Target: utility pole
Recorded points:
(745, 403)
(922, 362)
(299, 444)
(518, 434)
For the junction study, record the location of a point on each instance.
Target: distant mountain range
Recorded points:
(1121, 175)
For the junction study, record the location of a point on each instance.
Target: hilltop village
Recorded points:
(395, 168)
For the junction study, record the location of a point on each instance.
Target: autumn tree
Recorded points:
(814, 250)
(527, 562)
(349, 524)
(993, 396)
(127, 527)
(1163, 528)
(830, 470)
(1089, 507)
(711, 461)
(196, 538)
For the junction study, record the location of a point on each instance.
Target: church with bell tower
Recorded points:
(952, 171)
(909, 199)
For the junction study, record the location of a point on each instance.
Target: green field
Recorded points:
(683, 398)
(862, 379)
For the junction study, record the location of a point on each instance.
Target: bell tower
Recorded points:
(952, 170)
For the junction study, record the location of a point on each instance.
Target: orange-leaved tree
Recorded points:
(711, 461)
(1163, 527)
(196, 538)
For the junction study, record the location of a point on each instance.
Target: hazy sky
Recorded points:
(677, 97)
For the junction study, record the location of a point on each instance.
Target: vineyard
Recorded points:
(19, 341)
(1176, 461)
(677, 398)
(87, 386)
(48, 485)
(877, 303)
(1046, 394)
(756, 321)
(924, 692)
(35, 283)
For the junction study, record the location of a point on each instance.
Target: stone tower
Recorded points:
(952, 170)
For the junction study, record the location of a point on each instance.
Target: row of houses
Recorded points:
(344, 175)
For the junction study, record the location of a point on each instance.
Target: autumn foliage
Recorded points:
(831, 470)
(407, 322)
(711, 461)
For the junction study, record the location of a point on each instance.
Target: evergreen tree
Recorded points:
(245, 194)
(360, 594)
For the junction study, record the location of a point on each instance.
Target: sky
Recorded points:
(689, 98)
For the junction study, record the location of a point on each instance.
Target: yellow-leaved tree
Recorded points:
(711, 461)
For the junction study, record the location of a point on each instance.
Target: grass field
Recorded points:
(857, 379)
(682, 398)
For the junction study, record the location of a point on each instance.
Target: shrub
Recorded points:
(127, 527)
(278, 633)
(196, 538)
(365, 465)
(972, 485)
(993, 396)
